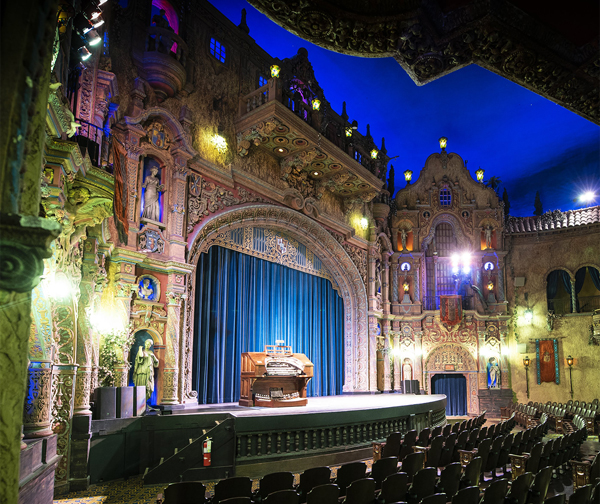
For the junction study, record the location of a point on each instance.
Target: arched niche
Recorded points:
(140, 336)
(360, 363)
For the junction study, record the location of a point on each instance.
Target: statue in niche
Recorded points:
(403, 236)
(151, 197)
(493, 372)
(146, 289)
(406, 370)
(488, 236)
(378, 277)
(160, 20)
(143, 372)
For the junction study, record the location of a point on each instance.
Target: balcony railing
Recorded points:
(588, 303)
(560, 306)
(92, 139)
(168, 42)
(433, 303)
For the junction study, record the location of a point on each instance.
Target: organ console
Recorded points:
(275, 378)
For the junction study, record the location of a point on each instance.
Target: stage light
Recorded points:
(587, 197)
(408, 176)
(528, 315)
(102, 2)
(374, 153)
(316, 104)
(84, 53)
(443, 142)
(364, 223)
(58, 287)
(275, 71)
(96, 23)
(479, 174)
(396, 352)
(93, 38)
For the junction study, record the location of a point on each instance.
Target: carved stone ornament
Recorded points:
(255, 135)
(150, 240)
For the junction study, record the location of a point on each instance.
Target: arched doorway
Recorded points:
(454, 387)
(359, 363)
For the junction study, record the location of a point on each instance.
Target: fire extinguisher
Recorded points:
(206, 449)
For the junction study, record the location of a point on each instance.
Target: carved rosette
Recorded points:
(63, 394)
(170, 383)
(170, 375)
(36, 415)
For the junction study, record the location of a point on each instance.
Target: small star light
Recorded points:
(349, 131)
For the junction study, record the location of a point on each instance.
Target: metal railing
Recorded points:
(560, 306)
(93, 140)
(433, 302)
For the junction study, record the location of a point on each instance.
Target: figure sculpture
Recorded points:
(403, 237)
(488, 237)
(406, 370)
(493, 371)
(146, 290)
(143, 372)
(151, 198)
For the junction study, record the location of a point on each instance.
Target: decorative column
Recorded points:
(388, 356)
(385, 286)
(373, 334)
(397, 364)
(371, 291)
(417, 283)
(395, 266)
(172, 341)
(124, 289)
(573, 296)
(500, 286)
(36, 417)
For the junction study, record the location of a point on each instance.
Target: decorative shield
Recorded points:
(451, 309)
(157, 137)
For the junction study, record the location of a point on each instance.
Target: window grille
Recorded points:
(217, 50)
(445, 197)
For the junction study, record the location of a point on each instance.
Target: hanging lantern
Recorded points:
(316, 104)
(275, 71)
(479, 174)
(348, 131)
(408, 175)
(374, 153)
(443, 142)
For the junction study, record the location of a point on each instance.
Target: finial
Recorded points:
(243, 26)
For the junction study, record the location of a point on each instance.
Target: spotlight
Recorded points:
(93, 38)
(102, 2)
(97, 22)
(84, 53)
(587, 197)
(443, 142)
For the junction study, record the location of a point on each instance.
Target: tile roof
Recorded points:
(554, 220)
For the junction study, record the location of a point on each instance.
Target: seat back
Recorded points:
(394, 487)
(361, 491)
(450, 479)
(472, 473)
(496, 492)
(448, 451)
(274, 482)
(240, 486)
(519, 489)
(437, 431)
(483, 451)
(312, 478)
(323, 494)
(423, 438)
(456, 427)
(423, 484)
(447, 430)
(469, 495)
(472, 442)
(435, 451)
(382, 468)
(582, 495)
(412, 463)
(392, 445)
(533, 462)
(539, 489)
(348, 473)
(287, 496)
(557, 499)
(439, 498)
(185, 492)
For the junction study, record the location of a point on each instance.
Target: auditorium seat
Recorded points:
(412, 463)
(392, 445)
(437, 431)
(490, 462)
(438, 498)
(472, 473)
(273, 482)
(519, 490)
(423, 485)
(449, 480)
(237, 500)
(348, 473)
(472, 441)
(323, 494)
(496, 492)
(361, 491)
(557, 499)
(423, 438)
(312, 478)
(239, 486)
(447, 430)
(533, 462)
(469, 495)
(582, 495)
(394, 488)
(448, 450)
(504, 456)
(483, 451)
(185, 492)
(409, 440)
(382, 468)
(539, 489)
(282, 497)
(435, 451)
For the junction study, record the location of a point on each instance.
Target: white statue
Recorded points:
(406, 370)
(488, 236)
(151, 198)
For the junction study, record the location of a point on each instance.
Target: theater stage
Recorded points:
(255, 441)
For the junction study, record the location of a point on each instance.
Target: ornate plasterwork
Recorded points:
(429, 42)
(335, 259)
(462, 240)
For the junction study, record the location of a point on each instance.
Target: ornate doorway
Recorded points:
(454, 387)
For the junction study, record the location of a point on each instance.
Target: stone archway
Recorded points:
(455, 358)
(357, 361)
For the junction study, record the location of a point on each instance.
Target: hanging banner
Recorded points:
(450, 309)
(546, 354)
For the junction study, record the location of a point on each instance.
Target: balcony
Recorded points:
(165, 60)
(433, 303)
(279, 122)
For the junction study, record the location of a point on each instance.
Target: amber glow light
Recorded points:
(275, 71)
(348, 131)
(526, 362)
(374, 153)
(220, 143)
(405, 286)
(479, 174)
(443, 142)
(490, 286)
(316, 104)
(408, 175)
(364, 223)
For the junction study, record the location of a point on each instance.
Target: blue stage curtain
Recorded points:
(244, 303)
(552, 285)
(595, 277)
(454, 387)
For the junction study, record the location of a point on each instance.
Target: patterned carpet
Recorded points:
(132, 491)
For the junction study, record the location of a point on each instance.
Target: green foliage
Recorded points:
(538, 209)
(506, 203)
(494, 183)
(391, 181)
(113, 350)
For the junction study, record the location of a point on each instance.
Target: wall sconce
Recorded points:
(316, 104)
(570, 364)
(490, 286)
(408, 176)
(443, 143)
(374, 153)
(526, 362)
(219, 142)
(275, 71)
(405, 286)
(528, 315)
(479, 174)
(364, 223)
(348, 131)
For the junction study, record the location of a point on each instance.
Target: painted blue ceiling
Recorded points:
(528, 142)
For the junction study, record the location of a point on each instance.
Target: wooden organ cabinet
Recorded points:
(275, 378)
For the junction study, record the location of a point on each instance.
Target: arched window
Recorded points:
(558, 292)
(587, 289)
(218, 50)
(445, 197)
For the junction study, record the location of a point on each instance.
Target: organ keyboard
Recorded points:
(275, 378)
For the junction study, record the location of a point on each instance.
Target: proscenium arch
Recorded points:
(357, 360)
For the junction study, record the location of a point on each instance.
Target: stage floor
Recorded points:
(328, 404)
